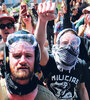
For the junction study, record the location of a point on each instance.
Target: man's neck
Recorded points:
(21, 82)
(30, 96)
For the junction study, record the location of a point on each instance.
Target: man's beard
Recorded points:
(23, 75)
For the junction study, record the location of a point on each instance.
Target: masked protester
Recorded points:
(66, 67)
(21, 62)
(67, 46)
(63, 70)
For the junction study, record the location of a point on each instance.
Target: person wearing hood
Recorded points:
(63, 70)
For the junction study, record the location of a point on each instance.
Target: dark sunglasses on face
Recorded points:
(88, 12)
(28, 16)
(8, 25)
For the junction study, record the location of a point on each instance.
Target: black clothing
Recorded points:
(85, 55)
(66, 19)
(50, 33)
(85, 49)
(62, 84)
(87, 81)
(75, 17)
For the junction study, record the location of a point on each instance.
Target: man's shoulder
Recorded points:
(44, 94)
(81, 63)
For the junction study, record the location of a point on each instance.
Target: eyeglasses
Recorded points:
(8, 25)
(28, 16)
(21, 37)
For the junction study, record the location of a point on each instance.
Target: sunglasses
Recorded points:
(28, 16)
(8, 25)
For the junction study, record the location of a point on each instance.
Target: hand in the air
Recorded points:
(46, 11)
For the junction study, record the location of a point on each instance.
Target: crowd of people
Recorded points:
(45, 51)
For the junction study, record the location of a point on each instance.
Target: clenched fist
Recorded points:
(46, 11)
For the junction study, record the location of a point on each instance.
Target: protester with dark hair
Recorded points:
(75, 14)
(21, 61)
(63, 70)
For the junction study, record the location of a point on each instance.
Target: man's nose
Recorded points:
(23, 60)
(6, 27)
(69, 43)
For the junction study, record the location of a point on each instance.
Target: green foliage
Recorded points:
(18, 9)
(9, 10)
(26, 1)
(59, 6)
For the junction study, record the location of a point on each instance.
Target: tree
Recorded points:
(27, 1)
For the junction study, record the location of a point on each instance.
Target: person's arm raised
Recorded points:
(46, 12)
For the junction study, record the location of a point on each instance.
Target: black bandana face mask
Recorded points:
(66, 49)
(68, 55)
(65, 57)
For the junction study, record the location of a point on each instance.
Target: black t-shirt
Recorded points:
(63, 84)
(87, 81)
(85, 55)
(85, 49)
